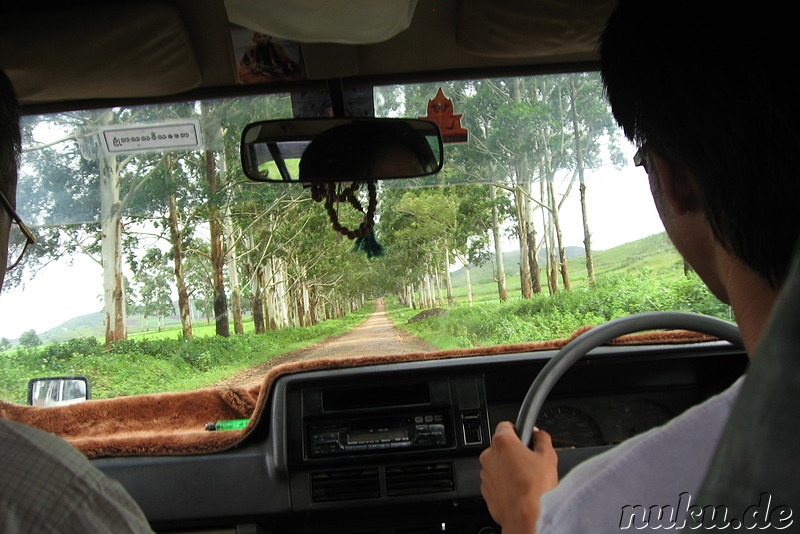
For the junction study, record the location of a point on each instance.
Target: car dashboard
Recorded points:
(394, 448)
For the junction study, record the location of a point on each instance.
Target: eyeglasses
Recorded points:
(29, 239)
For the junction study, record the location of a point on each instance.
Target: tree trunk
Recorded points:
(469, 284)
(552, 278)
(230, 256)
(281, 293)
(277, 308)
(111, 248)
(451, 301)
(523, 225)
(524, 210)
(437, 277)
(305, 299)
(257, 303)
(173, 221)
(587, 235)
(465, 262)
(549, 243)
(326, 308)
(233, 277)
(297, 312)
(217, 251)
(256, 289)
(532, 245)
(552, 264)
(113, 286)
(429, 278)
(500, 270)
(269, 294)
(314, 303)
(563, 265)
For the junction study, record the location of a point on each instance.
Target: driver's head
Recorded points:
(362, 150)
(10, 144)
(261, 38)
(706, 86)
(396, 159)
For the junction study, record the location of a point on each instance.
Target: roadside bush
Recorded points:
(544, 317)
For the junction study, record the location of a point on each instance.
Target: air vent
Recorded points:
(345, 485)
(419, 479)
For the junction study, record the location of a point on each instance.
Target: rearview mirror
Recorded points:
(58, 390)
(340, 150)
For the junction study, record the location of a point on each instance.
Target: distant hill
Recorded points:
(485, 272)
(654, 252)
(91, 324)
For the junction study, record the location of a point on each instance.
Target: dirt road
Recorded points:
(375, 337)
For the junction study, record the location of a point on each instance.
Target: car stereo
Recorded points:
(432, 413)
(410, 431)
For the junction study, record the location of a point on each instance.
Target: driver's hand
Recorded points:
(514, 477)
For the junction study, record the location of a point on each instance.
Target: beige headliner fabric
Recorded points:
(174, 423)
(113, 51)
(522, 28)
(312, 21)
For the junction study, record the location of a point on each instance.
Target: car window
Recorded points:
(159, 267)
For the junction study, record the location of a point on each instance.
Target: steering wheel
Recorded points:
(578, 347)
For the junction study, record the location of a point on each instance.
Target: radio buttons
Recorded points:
(431, 435)
(350, 436)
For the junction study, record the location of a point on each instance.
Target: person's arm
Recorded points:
(514, 477)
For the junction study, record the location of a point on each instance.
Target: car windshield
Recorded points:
(159, 267)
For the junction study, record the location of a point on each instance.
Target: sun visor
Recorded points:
(312, 21)
(521, 28)
(138, 55)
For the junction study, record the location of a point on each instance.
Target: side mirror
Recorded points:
(58, 390)
(340, 150)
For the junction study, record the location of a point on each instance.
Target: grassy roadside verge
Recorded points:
(138, 366)
(545, 317)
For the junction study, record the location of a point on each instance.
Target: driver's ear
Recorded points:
(678, 185)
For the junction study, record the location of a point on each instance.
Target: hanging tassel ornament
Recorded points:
(364, 235)
(369, 244)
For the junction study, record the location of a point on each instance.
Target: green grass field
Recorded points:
(159, 361)
(645, 275)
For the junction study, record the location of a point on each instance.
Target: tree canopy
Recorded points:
(194, 237)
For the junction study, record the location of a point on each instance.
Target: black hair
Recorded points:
(10, 140)
(707, 85)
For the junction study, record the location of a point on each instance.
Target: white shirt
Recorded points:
(625, 488)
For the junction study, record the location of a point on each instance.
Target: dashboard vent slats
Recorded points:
(419, 479)
(353, 484)
(345, 485)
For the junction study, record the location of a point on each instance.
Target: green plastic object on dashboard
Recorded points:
(231, 424)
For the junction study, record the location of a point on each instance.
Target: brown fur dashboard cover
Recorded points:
(174, 423)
